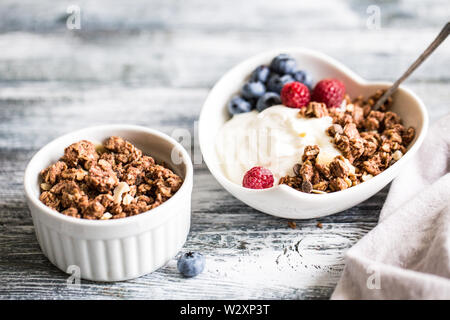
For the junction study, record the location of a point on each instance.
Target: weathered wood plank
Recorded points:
(217, 16)
(183, 58)
(23, 107)
(275, 263)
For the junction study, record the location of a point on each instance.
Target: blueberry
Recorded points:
(283, 64)
(191, 264)
(303, 77)
(260, 74)
(276, 83)
(239, 105)
(283, 56)
(252, 90)
(267, 100)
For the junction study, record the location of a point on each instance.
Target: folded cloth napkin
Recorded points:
(407, 255)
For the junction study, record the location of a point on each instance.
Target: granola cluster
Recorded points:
(110, 181)
(370, 141)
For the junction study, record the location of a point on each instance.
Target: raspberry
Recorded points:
(295, 95)
(258, 178)
(329, 91)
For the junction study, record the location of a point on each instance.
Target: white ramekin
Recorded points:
(113, 250)
(281, 200)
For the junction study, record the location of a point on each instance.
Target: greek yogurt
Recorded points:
(274, 139)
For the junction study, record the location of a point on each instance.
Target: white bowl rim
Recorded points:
(156, 212)
(220, 177)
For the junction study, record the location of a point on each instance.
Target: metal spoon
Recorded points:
(439, 39)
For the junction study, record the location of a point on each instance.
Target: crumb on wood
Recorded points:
(242, 245)
(292, 224)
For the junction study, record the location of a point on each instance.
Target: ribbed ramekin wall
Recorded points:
(115, 259)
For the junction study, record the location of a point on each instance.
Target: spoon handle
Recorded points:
(439, 39)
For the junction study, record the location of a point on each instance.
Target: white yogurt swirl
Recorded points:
(273, 139)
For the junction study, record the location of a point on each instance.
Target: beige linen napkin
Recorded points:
(407, 255)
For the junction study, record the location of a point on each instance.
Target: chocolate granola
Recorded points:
(110, 181)
(370, 141)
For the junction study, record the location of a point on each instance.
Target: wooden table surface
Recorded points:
(152, 63)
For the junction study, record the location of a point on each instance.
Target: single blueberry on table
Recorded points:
(260, 74)
(252, 90)
(303, 77)
(267, 100)
(283, 64)
(276, 83)
(191, 264)
(239, 105)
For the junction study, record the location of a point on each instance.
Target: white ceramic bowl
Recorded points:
(281, 200)
(121, 249)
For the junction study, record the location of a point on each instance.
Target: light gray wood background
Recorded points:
(152, 63)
